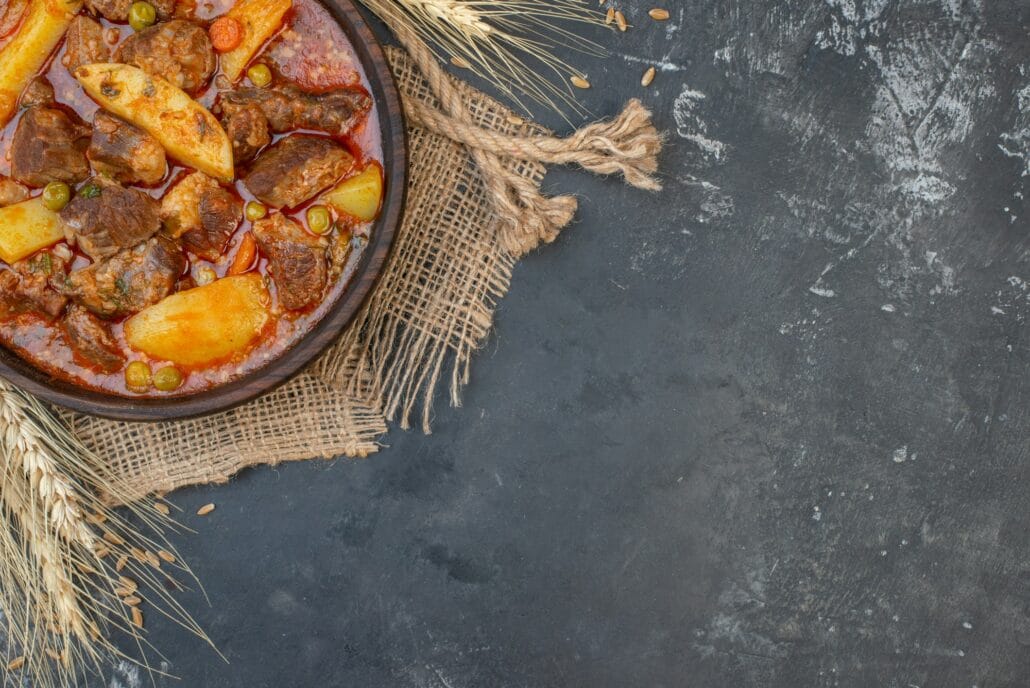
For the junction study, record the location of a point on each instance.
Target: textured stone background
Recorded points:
(766, 429)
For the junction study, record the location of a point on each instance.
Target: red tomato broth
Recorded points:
(308, 29)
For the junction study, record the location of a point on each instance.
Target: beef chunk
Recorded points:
(248, 131)
(118, 10)
(179, 51)
(295, 169)
(103, 218)
(84, 44)
(288, 108)
(296, 258)
(26, 286)
(130, 280)
(125, 152)
(49, 145)
(38, 92)
(90, 339)
(203, 213)
(11, 192)
(113, 10)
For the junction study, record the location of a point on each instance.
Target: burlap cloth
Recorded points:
(452, 260)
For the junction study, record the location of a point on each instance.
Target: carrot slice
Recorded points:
(226, 34)
(244, 258)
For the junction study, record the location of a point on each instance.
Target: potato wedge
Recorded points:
(41, 30)
(204, 325)
(27, 227)
(260, 20)
(184, 127)
(359, 196)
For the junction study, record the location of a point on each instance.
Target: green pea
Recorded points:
(255, 210)
(137, 376)
(260, 75)
(319, 219)
(56, 195)
(168, 379)
(141, 15)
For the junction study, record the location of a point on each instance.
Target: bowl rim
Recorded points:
(284, 367)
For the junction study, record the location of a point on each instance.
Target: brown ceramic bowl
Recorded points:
(278, 371)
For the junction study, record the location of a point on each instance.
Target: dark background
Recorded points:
(767, 428)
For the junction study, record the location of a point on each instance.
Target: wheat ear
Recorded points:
(65, 575)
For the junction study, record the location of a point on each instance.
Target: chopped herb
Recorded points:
(43, 264)
(149, 89)
(201, 125)
(122, 285)
(109, 91)
(90, 191)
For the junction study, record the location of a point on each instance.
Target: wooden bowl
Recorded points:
(325, 332)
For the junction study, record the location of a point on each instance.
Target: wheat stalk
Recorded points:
(510, 43)
(64, 553)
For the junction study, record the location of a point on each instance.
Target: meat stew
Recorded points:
(170, 229)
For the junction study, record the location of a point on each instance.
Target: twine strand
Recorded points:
(627, 145)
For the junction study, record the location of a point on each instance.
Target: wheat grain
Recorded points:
(54, 587)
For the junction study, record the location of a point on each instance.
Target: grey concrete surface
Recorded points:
(768, 428)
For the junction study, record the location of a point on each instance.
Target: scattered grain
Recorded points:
(153, 560)
(137, 617)
(648, 77)
(205, 510)
(53, 654)
(113, 539)
(620, 21)
(132, 601)
(16, 663)
(659, 14)
(161, 508)
(120, 564)
(610, 17)
(579, 82)
(459, 61)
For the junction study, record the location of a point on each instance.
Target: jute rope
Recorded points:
(627, 145)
